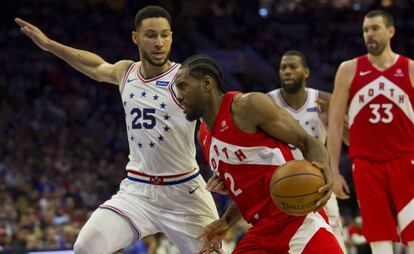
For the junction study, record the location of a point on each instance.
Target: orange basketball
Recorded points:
(294, 187)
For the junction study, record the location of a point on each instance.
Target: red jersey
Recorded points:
(381, 115)
(244, 161)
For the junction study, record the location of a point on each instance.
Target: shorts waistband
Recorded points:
(137, 176)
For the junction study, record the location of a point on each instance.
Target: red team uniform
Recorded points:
(381, 134)
(246, 163)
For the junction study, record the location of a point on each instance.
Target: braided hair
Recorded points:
(201, 65)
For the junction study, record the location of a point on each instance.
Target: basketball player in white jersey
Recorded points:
(163, 190)
(302, 103)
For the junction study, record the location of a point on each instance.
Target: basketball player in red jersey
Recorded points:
(377, 91)
(244, 137)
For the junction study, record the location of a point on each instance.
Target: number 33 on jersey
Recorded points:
(381, 115)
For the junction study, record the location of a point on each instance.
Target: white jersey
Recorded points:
(309, 119)
(161, 139)
(307, 115)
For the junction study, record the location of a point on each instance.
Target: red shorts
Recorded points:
(385, 191)
(298, 235)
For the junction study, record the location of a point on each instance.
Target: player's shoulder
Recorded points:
(120, 69)
(346, 72)
(124, 64)
(252, 104)
(348, 65)
(245, 100)
(273, 92)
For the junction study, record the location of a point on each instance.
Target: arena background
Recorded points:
(63, 144)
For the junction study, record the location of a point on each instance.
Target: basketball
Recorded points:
(294, 187)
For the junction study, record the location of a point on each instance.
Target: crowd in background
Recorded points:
(63, 146)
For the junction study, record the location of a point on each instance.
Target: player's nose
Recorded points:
(159, 42)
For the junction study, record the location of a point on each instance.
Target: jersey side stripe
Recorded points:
(173, 95)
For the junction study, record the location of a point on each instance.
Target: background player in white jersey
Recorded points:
(163, 191)
(302, 103)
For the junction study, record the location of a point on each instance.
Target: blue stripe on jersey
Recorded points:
(312, 109)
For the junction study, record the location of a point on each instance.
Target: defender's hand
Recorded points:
(212, 235)
(34, 33)
(323, 110)
(215, 184)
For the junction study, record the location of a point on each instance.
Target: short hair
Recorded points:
(201, 65)
(151, 11)
(386, 16)
(298, 54)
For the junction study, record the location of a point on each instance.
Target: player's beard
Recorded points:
(294, 87)
(377, 50)
(194, 112)
(147, 58)
(193, 115)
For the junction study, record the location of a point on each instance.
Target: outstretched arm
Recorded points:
(337, 110)
(86, 62)
(258, 110)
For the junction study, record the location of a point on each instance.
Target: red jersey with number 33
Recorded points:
(244, 161)
(381, 115)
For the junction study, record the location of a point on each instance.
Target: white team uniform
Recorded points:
(308, 118)
(163, 191)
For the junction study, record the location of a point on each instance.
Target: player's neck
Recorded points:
(295, 100)
(383, 61)
(149, 71)
(213, 108)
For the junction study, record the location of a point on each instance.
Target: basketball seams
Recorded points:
(298, 196)
(299, 174)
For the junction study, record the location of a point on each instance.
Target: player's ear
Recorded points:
(307, 73)
(207, 83)
(135, 38)
(391, 31)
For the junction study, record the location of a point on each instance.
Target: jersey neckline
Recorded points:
(290, 107)
(397, 57)
(162, 74)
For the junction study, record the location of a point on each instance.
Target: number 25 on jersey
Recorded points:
(148, 118)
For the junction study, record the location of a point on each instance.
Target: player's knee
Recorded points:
(80, 247)
(89, 241)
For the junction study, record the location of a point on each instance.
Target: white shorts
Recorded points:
(180, 211)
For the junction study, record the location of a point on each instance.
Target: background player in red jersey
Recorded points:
(377, 91)
(245, 137)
